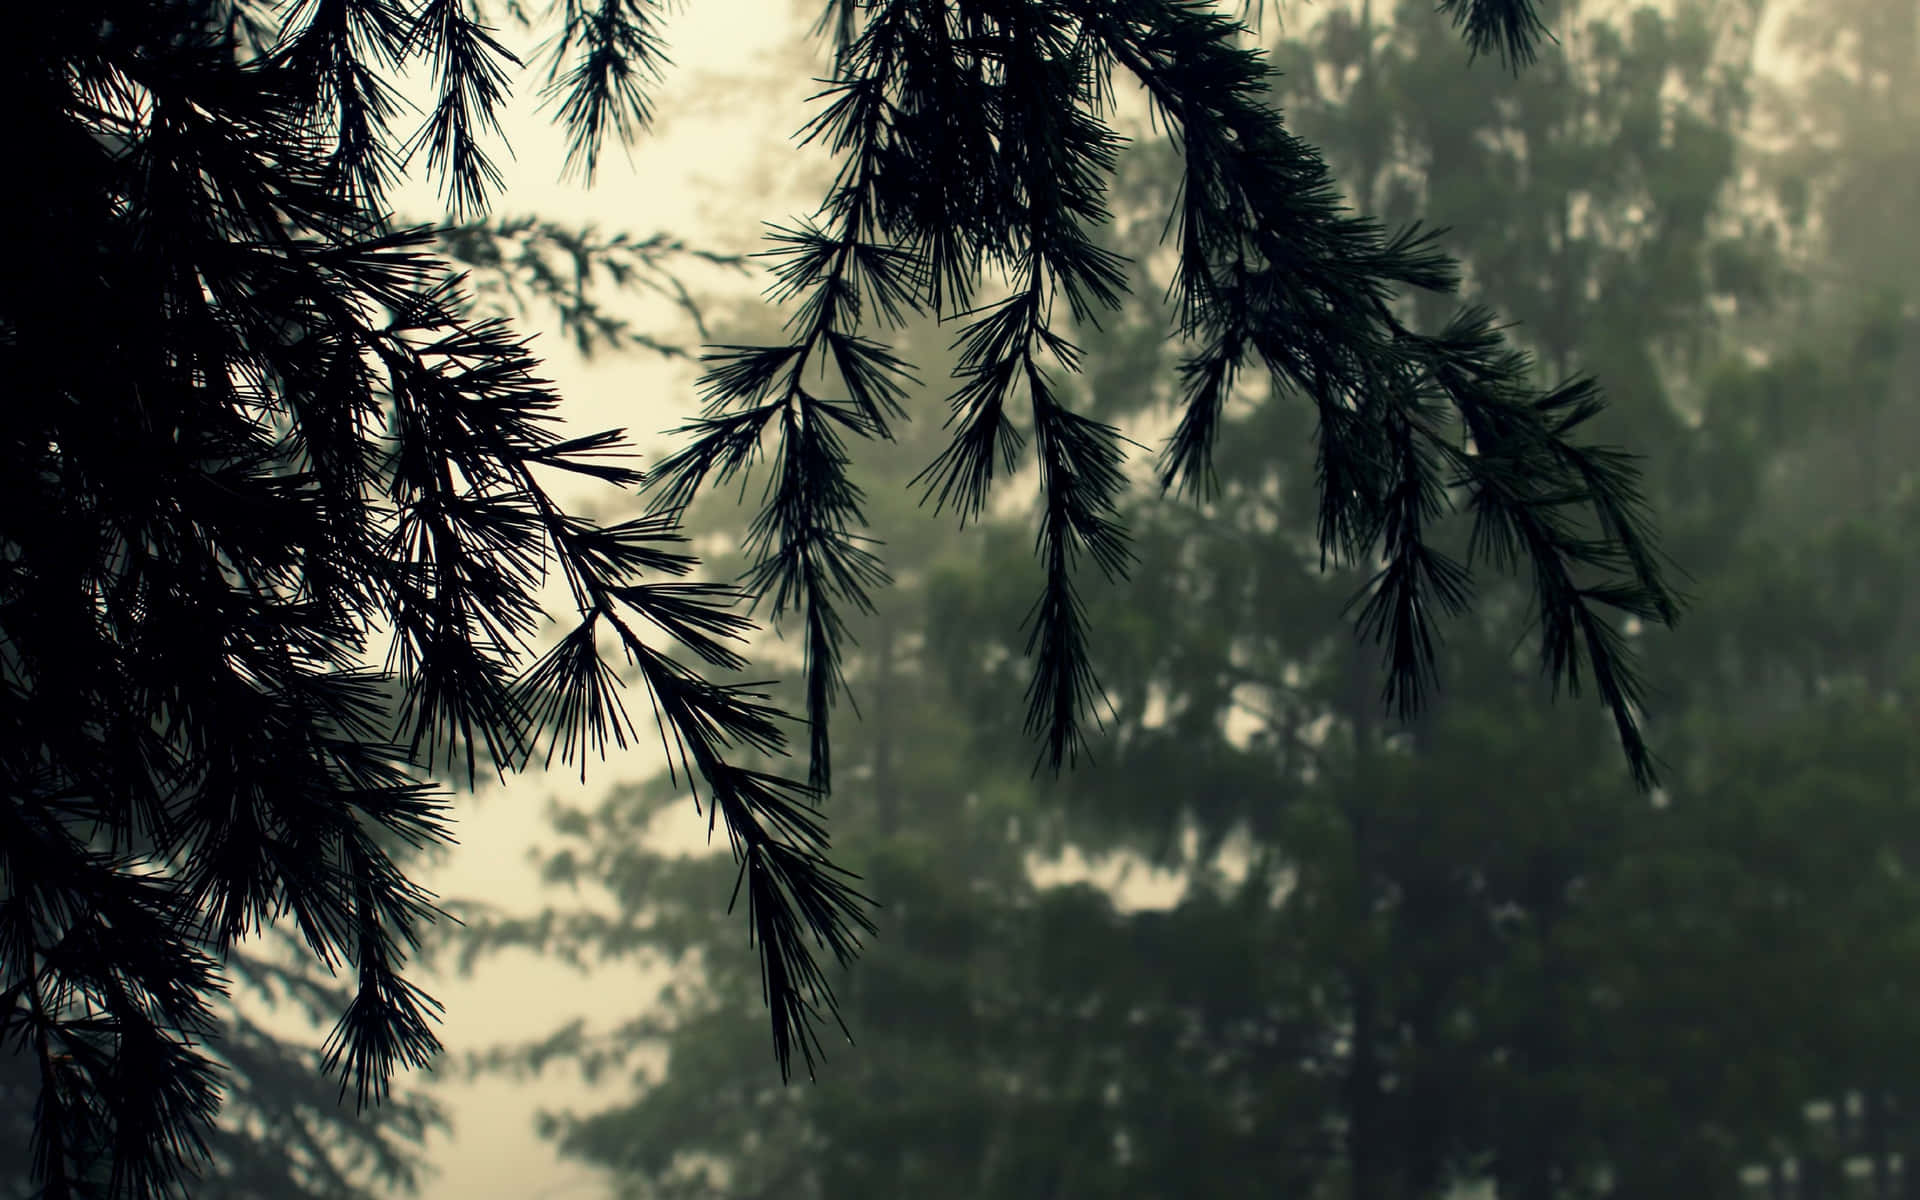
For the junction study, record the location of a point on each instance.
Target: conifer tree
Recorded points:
(276, 504)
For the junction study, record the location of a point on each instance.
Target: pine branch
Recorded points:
(470, 70)
(1510, 27)
(975, 137)
(598, 61)
(520, 263)
(1271, 266)
(337, 50)
(807, 554)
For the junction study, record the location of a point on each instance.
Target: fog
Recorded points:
(1272, 937)
(1677, 917)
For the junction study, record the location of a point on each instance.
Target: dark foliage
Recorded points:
(974, 138)
(283, 1131)
(256, 439)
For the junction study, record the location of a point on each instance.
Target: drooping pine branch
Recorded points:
(337, 53)
(1056, 154)
(1271, 267)
(972, 137)
(340, 55)
(470, 74)
(807, 549)
(969, 138)
(522, 265)
(598, 64)
(1511, 28)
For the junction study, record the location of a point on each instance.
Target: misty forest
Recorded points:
(1302, 600)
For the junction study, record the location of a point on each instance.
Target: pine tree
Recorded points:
(257, 436)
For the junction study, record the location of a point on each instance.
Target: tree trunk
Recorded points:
(1367, 1149)
(1874, 1134)
(1366, 1162)
(886, 800)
